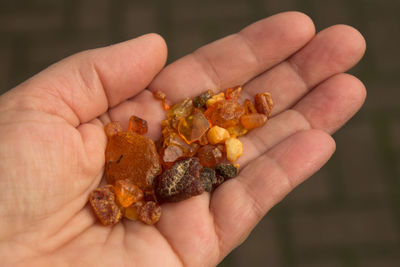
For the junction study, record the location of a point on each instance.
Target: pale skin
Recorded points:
(52, 141)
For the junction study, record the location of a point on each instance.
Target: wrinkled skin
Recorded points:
(52, 141)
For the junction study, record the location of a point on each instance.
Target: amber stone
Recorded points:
(102, 200)
(263, 103)
(178, 111)
(137, 125)
(237, 130)
(226, 170)
(193, 127)
(132, 212)
(150, 213)
(225, 113)
(113, 128)
(249, 107)
(233, 93)
(254, 120)
(210, 156)
(131, 156)
(200, 100)
(180, 182)
(160, 95)
(127, 192)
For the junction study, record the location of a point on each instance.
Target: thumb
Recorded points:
(83, 86)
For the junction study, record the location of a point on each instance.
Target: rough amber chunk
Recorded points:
(249, 107)
(131, 156)
(193, 127)
(102, 200)
(150, 212)
(180, 182)
(254, 120)
(200, 100)
(233, 93)
(225, 113)
(264, 103)
(113, 128)
(127, 192)
(137, 125)
(210, 156)
(178, 111)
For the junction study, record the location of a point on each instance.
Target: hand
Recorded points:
(52, 141)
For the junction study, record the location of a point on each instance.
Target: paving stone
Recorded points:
(343, 228)
(362, 173)
(251, 253)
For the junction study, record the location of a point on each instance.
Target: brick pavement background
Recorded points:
(348, 213)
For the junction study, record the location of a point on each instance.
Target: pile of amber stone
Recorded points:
(196, 153)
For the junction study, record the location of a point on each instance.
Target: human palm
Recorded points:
(52, 141)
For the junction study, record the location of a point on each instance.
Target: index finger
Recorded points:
(237, 58)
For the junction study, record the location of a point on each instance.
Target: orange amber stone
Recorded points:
(193, 127)
(225, 113)
(127, 192)
(249, 107)
(113, 128)
(210, 156)
(137, 125)
(178, 111)
(131, 156)
(254, 120)
(264, 103)
(233, 93)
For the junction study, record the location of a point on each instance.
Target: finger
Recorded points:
(237, 58)
(333, 50)
(333, 102)
(83, 86)
(328, 107)
(240, 203)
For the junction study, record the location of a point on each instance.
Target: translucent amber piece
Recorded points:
(214, 99)
(132, 212)
(254, 120)
(203, 140)
(233, 93)
(193, 127)
(249, 107)
(234, 149)
(225, 113)
(102, 200)
(113, 128)
(160, 95)
(178, 111)
(127, 192)
(137, 125)
(131, 156)
(210, 156)
(237, 130)
(173, 138)
(264, 103)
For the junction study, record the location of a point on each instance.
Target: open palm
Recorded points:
(52, 141)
